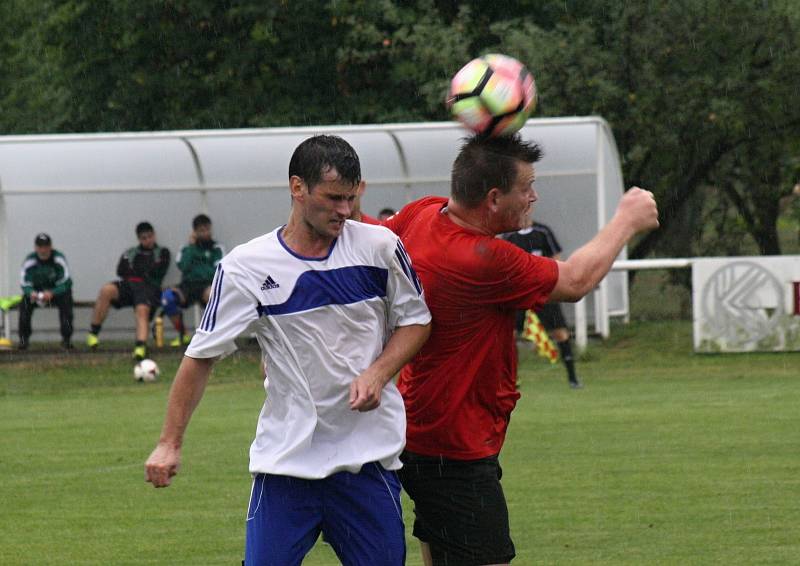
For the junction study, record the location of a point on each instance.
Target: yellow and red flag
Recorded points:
(535, 332)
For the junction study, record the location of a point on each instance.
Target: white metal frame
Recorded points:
(603, 326)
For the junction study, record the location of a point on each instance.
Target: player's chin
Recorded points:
(335, 227)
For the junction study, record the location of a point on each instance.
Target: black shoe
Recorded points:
(67, 345)
(23, 344)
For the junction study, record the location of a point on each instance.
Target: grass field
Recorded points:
(664, 458)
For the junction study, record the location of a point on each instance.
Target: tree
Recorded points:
(685, 85)
(700, 94)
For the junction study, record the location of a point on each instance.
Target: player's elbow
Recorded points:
(573, 284)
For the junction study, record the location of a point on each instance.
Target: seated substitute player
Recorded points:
(460, 389)
(197, 262)
(337, 311)
(45, 281)
(538, 239)
(141, 270)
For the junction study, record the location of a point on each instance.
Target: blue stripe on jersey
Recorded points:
(209, 320)
(210, 300)
(342, 286)
(405, 262)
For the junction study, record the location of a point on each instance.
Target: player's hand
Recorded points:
(639, 208)
(48, 296)
(162, 465)
(192, 238)
(365, 392)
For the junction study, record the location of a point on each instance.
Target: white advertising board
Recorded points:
(746, 304)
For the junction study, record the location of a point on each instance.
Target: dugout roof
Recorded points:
(88, 191)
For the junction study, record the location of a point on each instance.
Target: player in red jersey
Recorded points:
(460, 389)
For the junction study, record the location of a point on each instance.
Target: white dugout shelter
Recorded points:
(89, 191)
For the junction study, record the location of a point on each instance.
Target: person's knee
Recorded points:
(108, 292)
(561, 334)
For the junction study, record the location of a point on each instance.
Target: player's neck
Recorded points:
(304, 240)
(472, 219)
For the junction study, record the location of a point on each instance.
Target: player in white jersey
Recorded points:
(337, 310)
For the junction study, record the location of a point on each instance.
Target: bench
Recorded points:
(198, 313)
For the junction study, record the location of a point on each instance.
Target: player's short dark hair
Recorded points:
(484, 163)
(318, 154)
(143, 227)
(387, 211)
(200, 220)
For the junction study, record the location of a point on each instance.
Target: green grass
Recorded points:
(664, 458)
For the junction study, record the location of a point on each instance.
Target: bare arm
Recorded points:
(405, 342)
(184, 396)
(636, 212)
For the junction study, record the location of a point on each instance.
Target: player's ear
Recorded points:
(297, 187)
(492, 199)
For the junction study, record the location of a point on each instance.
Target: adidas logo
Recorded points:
(269, 283)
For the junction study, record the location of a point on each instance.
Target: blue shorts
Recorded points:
(360, 515)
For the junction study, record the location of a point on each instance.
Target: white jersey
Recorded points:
(320, 323)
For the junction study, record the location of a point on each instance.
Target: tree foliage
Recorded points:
(701, 95)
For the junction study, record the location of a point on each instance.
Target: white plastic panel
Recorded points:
(96, 163)
(263, 160)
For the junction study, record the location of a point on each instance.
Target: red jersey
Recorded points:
(460, 389)
(367, 219)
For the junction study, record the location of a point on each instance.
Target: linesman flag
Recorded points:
(535, 332)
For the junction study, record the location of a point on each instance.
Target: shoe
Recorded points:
(23, 344)
(180, 341)
(140, 353)
(92, 341)
(67, 345)
(576, 384)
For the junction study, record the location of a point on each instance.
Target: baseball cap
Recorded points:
(42, 239)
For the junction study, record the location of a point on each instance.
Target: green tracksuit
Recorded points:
(149, 266)
(197, 263)
(51, 275)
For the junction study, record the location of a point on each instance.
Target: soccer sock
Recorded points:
(96, 329)
(140, 342)
(178, 324)
(565, 348)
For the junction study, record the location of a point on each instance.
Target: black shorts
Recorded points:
(132, 293)
(551, 317)
(459, 508)
(192, 293)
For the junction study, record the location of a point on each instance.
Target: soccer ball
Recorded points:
(146, 370)
(492, 95)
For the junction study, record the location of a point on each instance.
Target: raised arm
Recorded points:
(184, 396)
(637, 212)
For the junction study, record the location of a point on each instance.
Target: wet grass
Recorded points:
(665, 457)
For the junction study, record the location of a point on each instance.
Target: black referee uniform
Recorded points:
(540, 240)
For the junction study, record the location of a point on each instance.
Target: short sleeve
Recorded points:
(519, 280)
(404, 292)
(552, 241)
(228, 314)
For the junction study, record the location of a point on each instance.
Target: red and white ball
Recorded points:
(146, 370)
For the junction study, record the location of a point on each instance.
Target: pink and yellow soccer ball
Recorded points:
(492, 95)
